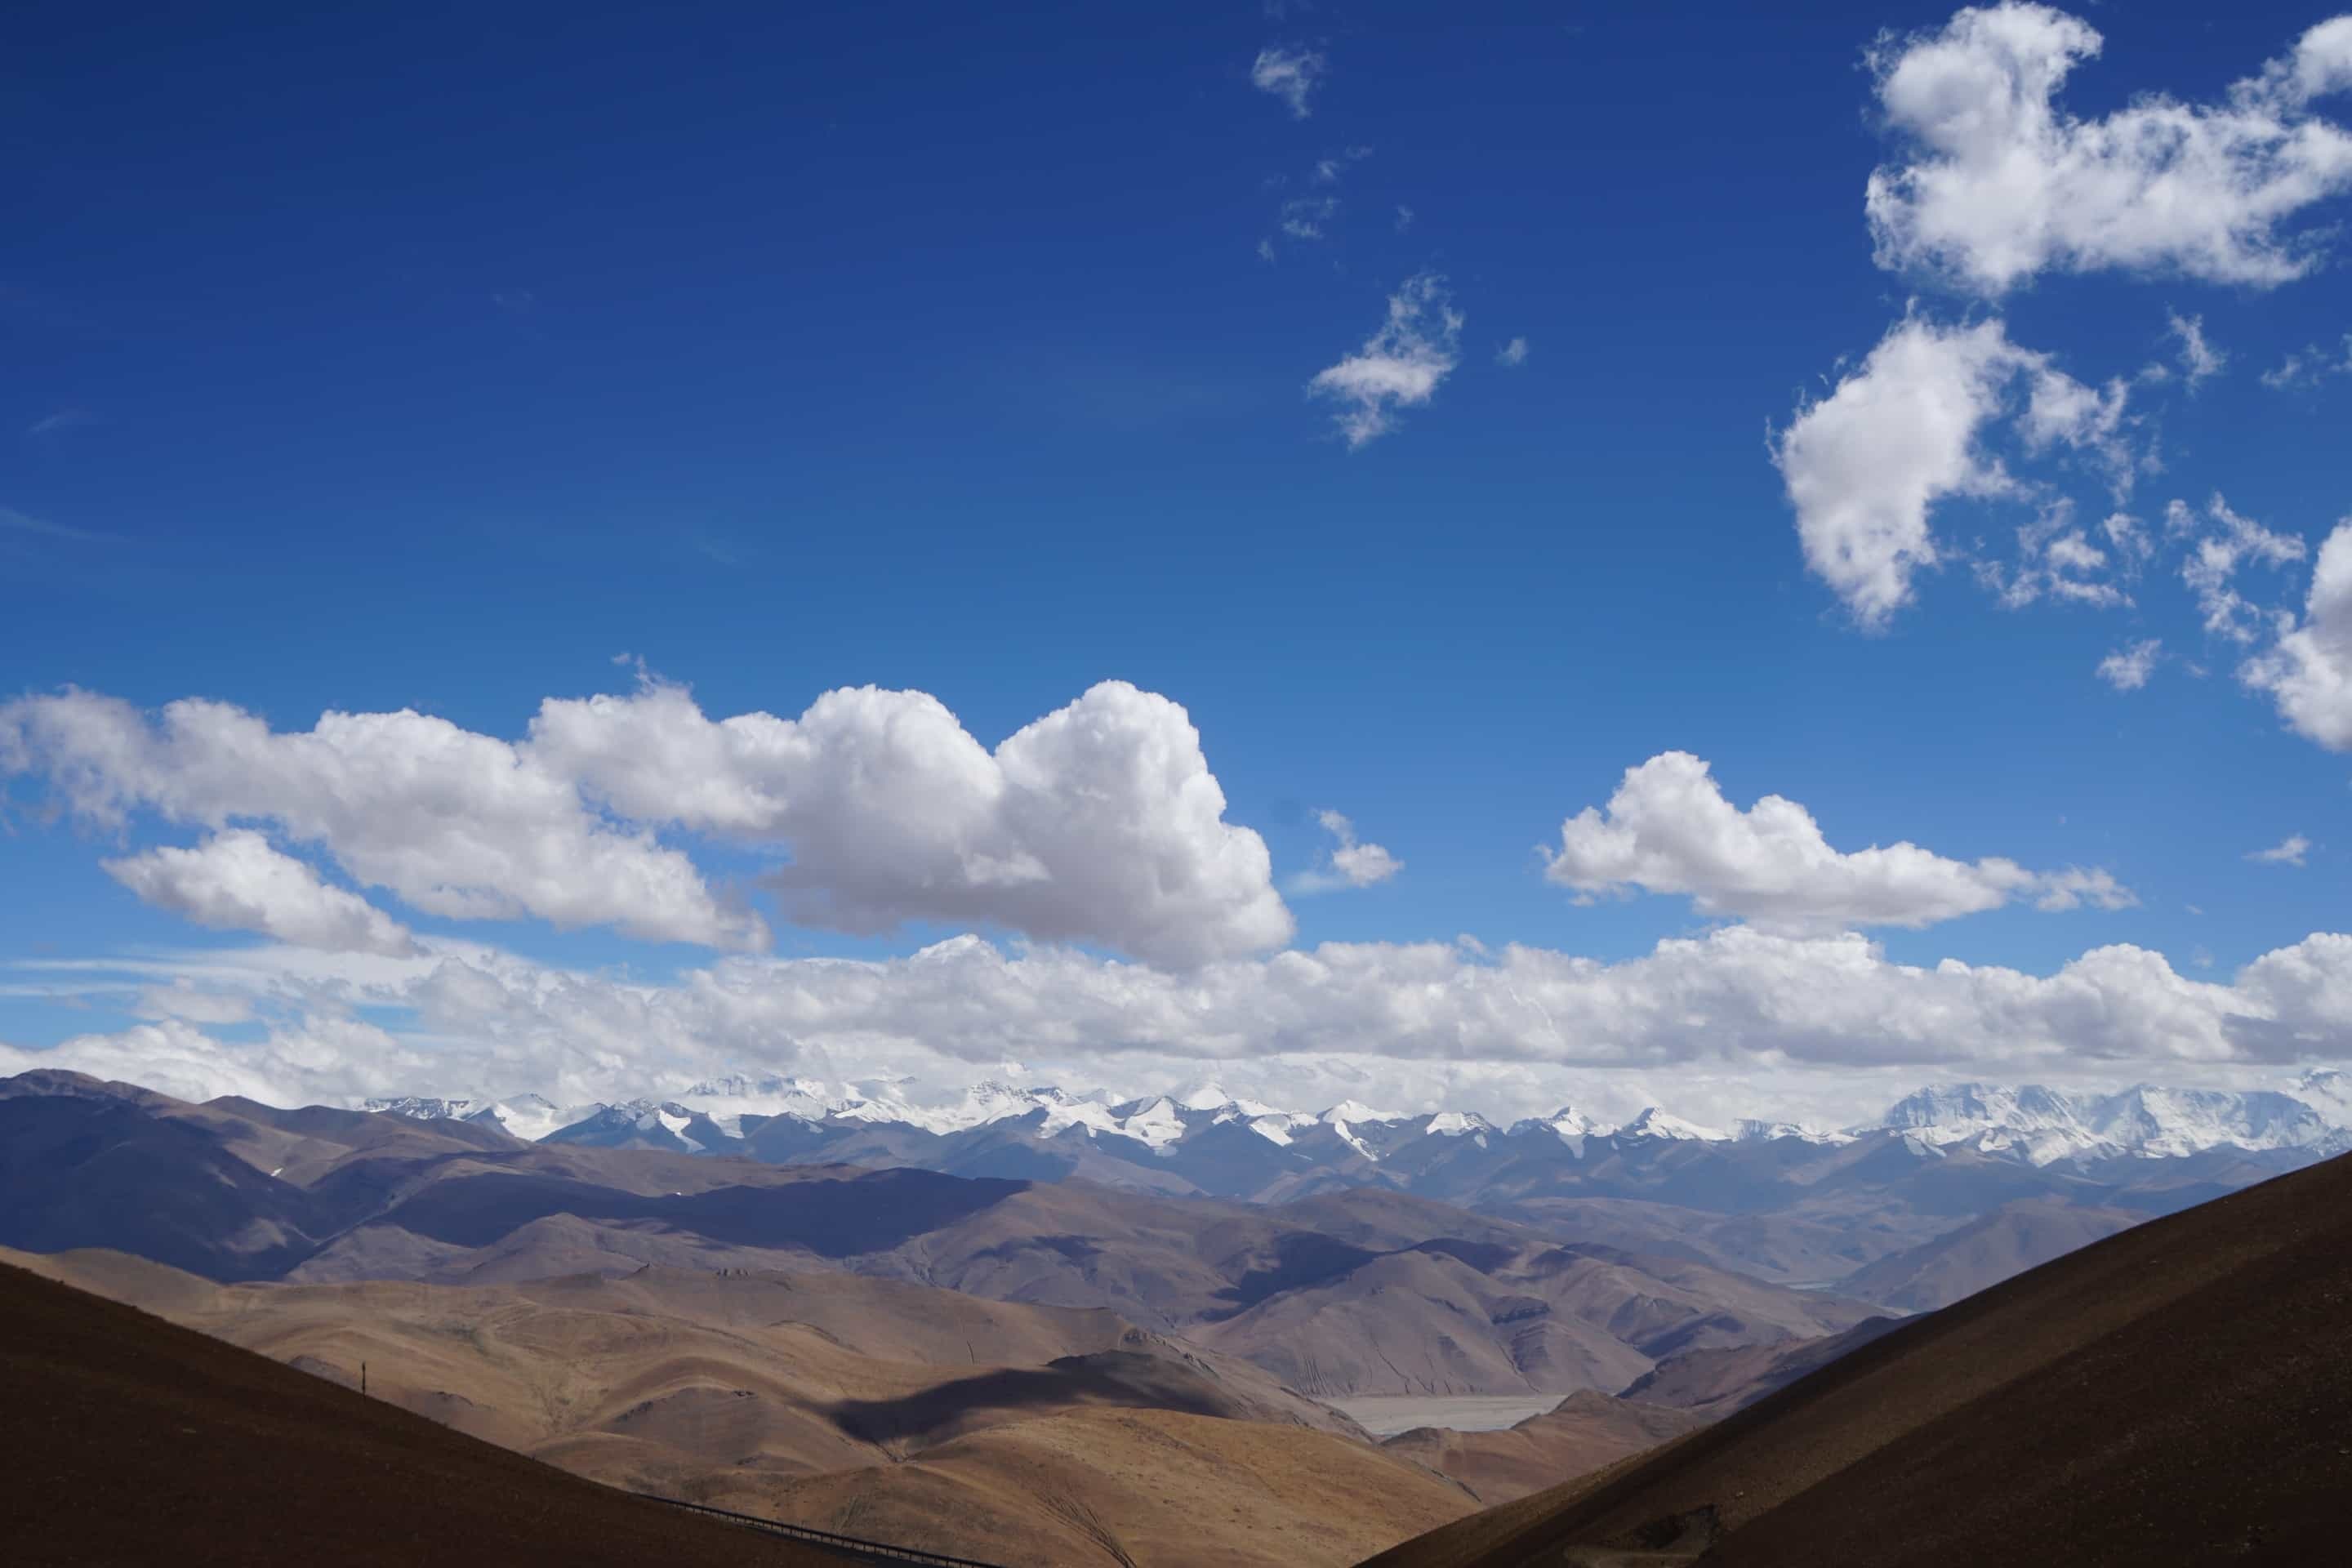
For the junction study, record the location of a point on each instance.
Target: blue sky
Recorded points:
(421, 359)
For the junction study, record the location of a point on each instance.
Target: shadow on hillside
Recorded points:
(1109, 1377)
(831, 1217)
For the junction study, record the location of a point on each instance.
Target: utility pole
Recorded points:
(362, 1379)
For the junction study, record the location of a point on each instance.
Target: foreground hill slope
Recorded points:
(2179, 1392)
(132, 1440)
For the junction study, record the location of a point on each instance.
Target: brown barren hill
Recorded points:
(2180, 1392)
(132, 1440)
(1129, 1488)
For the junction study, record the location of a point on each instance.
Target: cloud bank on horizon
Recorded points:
(1100, 825)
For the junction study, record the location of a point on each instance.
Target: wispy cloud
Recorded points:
(1400, 366)
(2308, 366)
(1289, 74)
(1514, 353)
(2129, 667)
(17, 522)
(1329, 170)
(1349, 864)
(2199, 358)
(2288, 851)
(57, 424)
(1303, 217)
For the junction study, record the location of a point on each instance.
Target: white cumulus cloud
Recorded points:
(1100, 822)
(1998, 182)
(2308, 672)
(1866, 466)
(1669, 829)
(457, 824)
(235, 880)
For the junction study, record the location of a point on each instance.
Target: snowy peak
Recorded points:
(1567, 1123)
(2043, 1124)
(1212, 1099)
(1749, 1130)
(742, 1094)
(1952, 1107)
(530, 1117)
(1355, 1110)
(1155, 1123)
(422, 1109)
(2175, 1121)
(2327, 1091)
(1656, 1124)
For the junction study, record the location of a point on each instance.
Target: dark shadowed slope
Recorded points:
(130, 1440)
(2180, 1392)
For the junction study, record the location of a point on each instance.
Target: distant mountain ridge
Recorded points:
(789, 1119)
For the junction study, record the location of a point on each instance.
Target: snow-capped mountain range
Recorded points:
(797, 1117)
(2044, 1125)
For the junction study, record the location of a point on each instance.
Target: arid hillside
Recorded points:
(872, 1407)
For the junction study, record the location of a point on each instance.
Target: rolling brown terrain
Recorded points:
(2177, 1394)
(1990, 1248)
(132, 1440)
(1449, 1317)
(1773, 1248)
(1356, 1292)
(1132, 1487)
(1585, 1432)
(870, 1407)
(1715, 1382)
